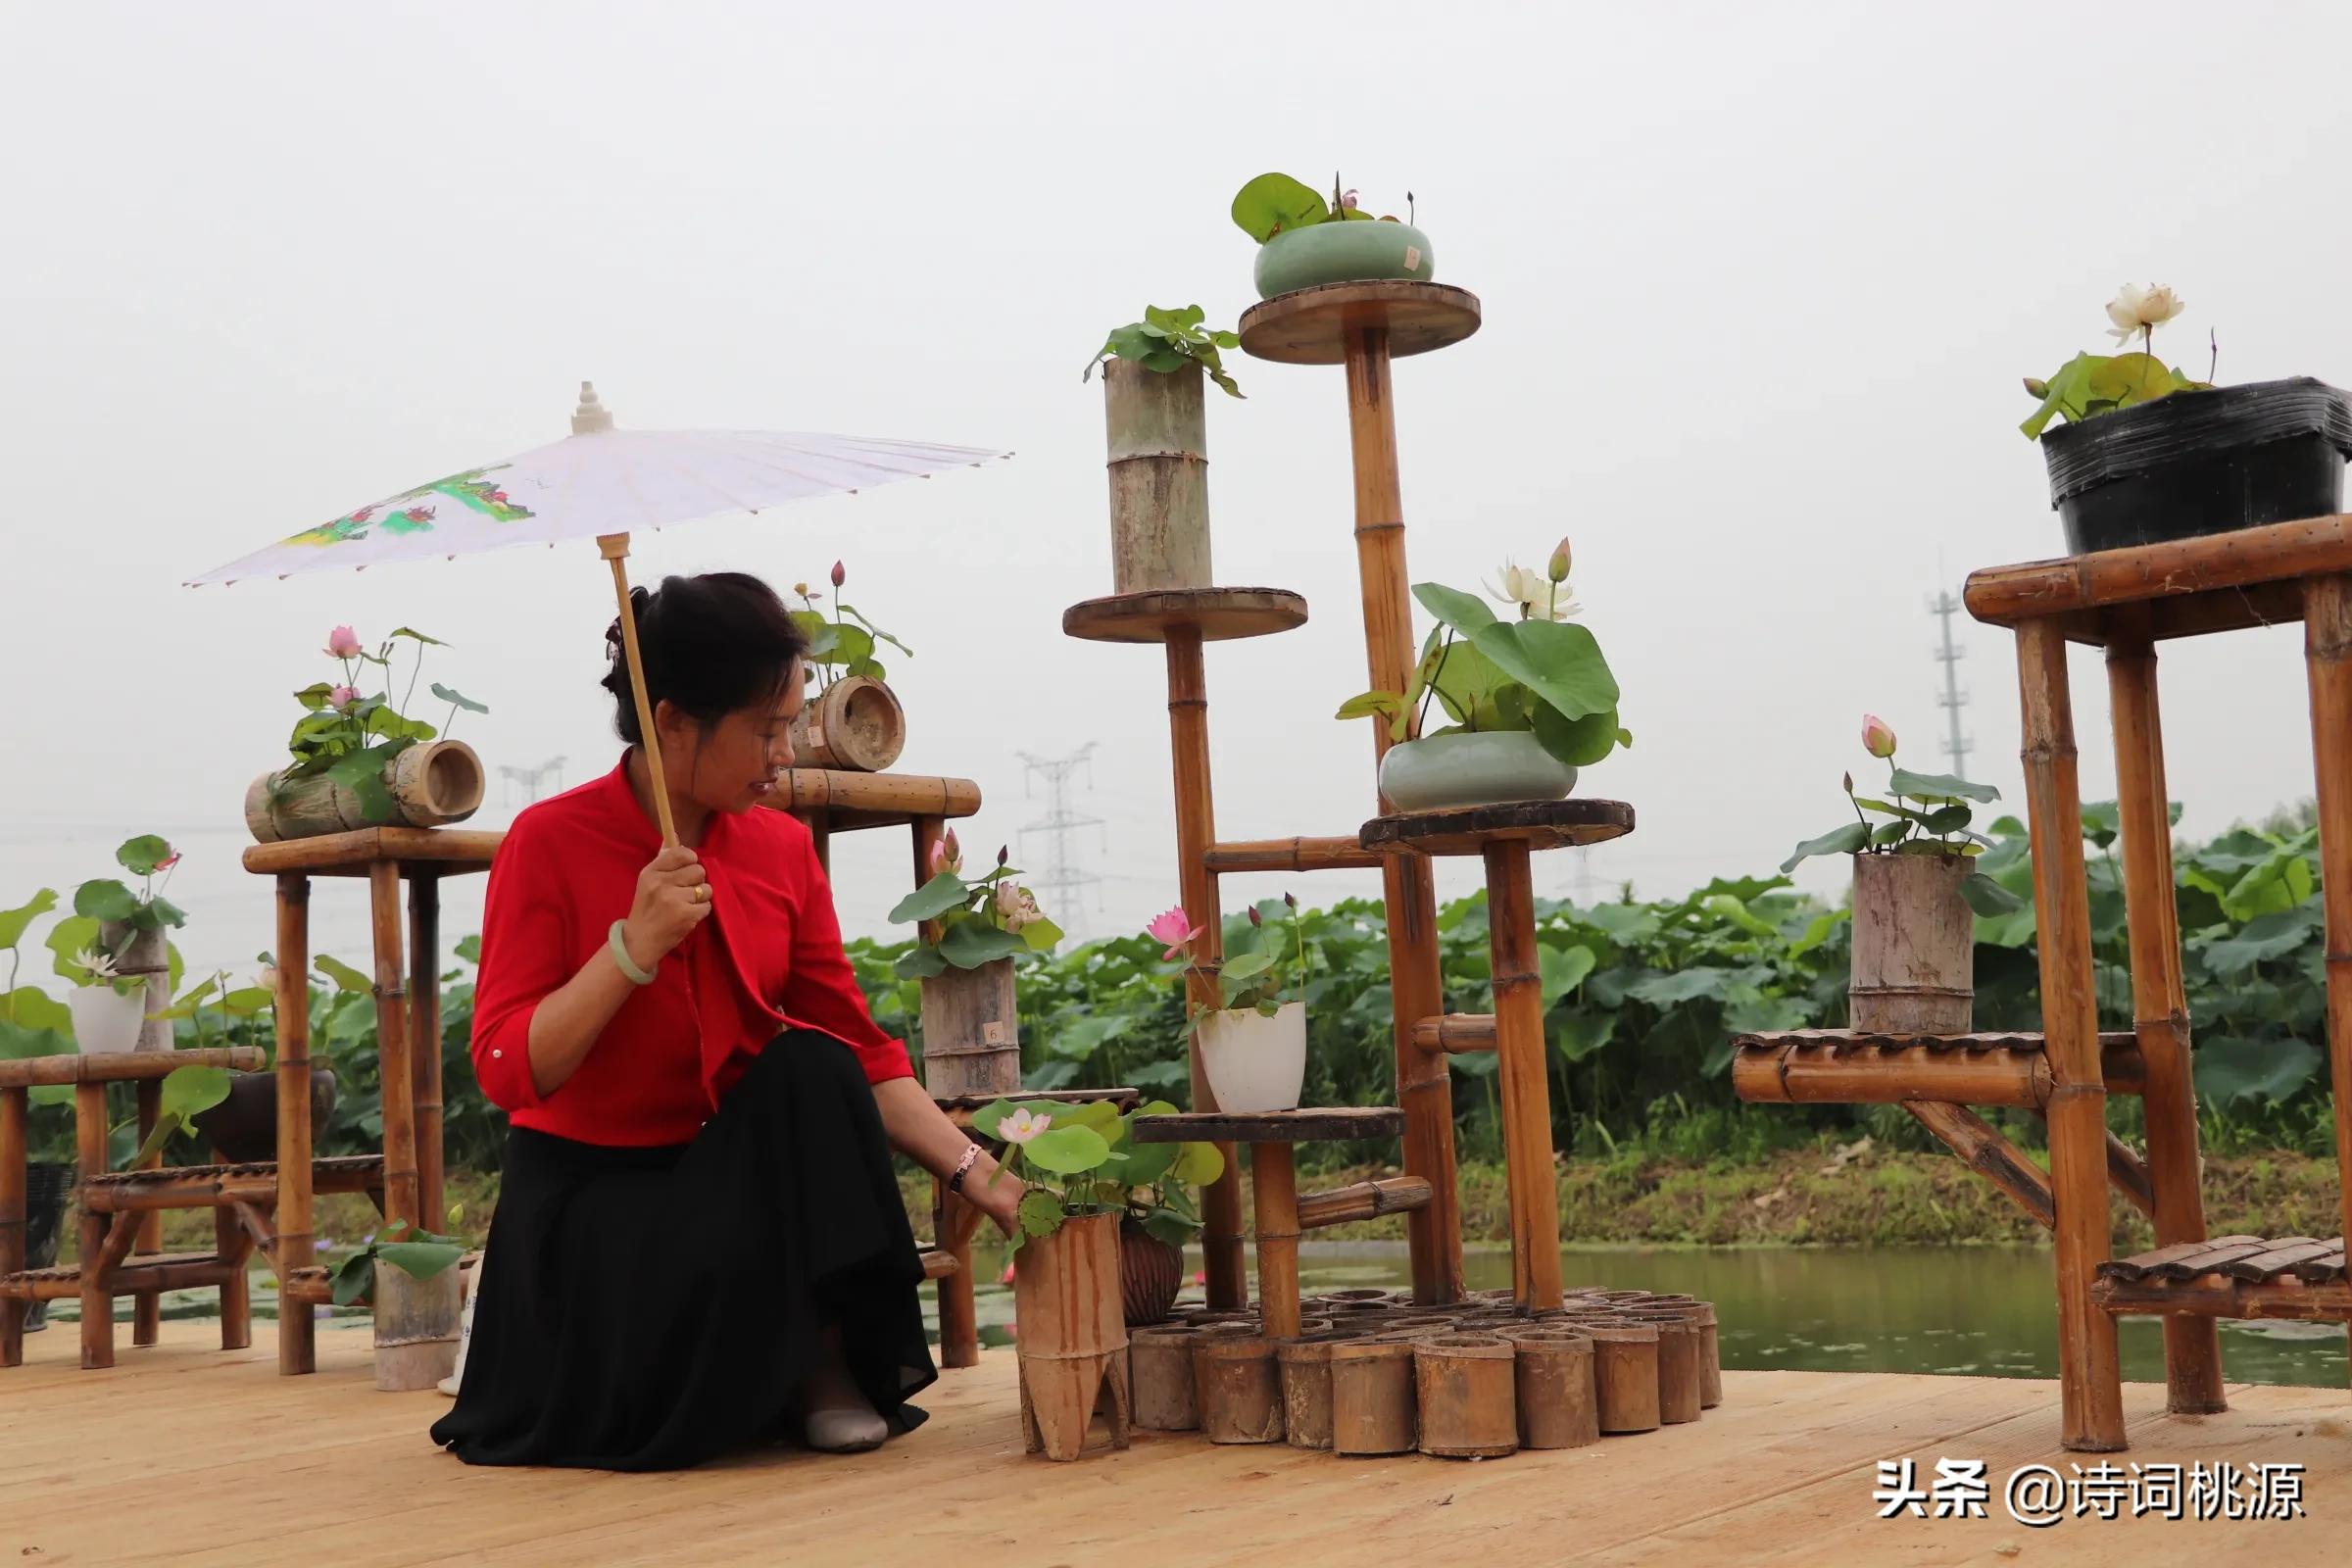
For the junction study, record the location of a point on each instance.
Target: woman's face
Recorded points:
(736, 763)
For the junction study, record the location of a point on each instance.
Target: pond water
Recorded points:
(1983, 1311)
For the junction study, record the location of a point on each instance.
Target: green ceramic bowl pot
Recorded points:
(1342, 253)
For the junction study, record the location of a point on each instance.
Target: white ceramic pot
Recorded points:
(1492, 768)
(104, 1021)
(1255, 1062)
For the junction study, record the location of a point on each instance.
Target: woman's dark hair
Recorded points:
(710, 644)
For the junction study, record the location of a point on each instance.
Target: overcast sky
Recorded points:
(1759, 283)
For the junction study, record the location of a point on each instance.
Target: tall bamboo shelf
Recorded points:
(1365, 327)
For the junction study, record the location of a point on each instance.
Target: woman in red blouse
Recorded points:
(699, 1242)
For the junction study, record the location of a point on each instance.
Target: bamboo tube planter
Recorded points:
(1373, 1404)
(1157, 427)
(431, 785)
(1465, 1386)
(1914, 945)
(971, 1031)
(1074, 1345)
(1160, 1375)
(1625, 1374)
(855, 725)
(1679, 1376)
(1553, 1391)
(1240, 1388)
(1305, 1370)
(415, 1327)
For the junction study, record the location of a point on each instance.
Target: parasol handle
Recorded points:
(615, 549)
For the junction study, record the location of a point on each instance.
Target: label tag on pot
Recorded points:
(994, 1033)
(1413, 258)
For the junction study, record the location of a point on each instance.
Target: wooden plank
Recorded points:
(2011, 596)
(1322, 325)
(450, 851)
(1214, 614)
(1472, 830)
(1309, 1124)
(2281, 1257)
(857, 800)
(127, 1067)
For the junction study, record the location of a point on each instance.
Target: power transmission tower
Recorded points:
(529, 777)
(1064, 876)
(1956, 745)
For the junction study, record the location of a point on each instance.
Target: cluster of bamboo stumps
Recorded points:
(1372, 1373)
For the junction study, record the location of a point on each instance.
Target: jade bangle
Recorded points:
(621, 956)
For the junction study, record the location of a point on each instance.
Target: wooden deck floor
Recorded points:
(185, 1454)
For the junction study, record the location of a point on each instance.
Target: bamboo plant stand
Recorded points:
(1364, 326)
(2125, 602)
(1505, 838)
(114, 1257)
(408, 1031)
(1274, 1181)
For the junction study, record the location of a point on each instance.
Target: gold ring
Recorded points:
(702, 892)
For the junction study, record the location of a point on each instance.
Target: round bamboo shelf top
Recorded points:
(1312, 325)
(1473, 829)
(1309, 1124)
(1220, 614)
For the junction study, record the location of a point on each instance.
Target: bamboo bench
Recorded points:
(110, 1232)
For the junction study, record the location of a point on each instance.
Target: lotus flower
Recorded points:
(268, 978)
(343, 695)
(2142, 310)
(167, 861)
(1557, 567)
(1017, 906)
(1878, 736)
(99, 964)
(1173, 930)
(1023, 1125)
(946, 855)
(1538, 597)
(343, 643)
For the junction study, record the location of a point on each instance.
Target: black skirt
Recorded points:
(650, 1308)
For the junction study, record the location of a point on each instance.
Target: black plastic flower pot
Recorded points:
(2200, 463)
(243, 1128)
(47, 1189)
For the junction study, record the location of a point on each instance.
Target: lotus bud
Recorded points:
(801, 588)
(1256, 918)
(1849, 783)
(839, 574)
(1877, 737)
(1288, 900)
(1559, 568)
(2036, 387)
(1003, 852)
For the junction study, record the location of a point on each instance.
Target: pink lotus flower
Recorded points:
(1008, 1279)
(343, 695)
(343, 643)
(839, 574)
(1022, 1125)
(1173, 930)
(1877, 737)
(946, 855)
(167, 861)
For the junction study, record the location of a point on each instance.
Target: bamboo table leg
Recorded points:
(2327, 656)
(393, 1065)
(1196, 830)
(1274, 1186)
(15, 1145)
(2090, 1379)
(958, 1316)
(1519, 1066)
(147, 1307)
(297, 1329)
(1424, 1087)
(97, 1303)
(234, 1247)
(424, 1045)
(2193, 1350)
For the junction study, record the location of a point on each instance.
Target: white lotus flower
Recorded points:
(100, 966)
(2138, 310)
(1022, 1125)
(1017, 906)
(1538, 597)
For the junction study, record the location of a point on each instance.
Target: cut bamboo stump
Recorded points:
(1160, 1362)
(1465, 1385)
(855, 725)
(1914, 945)
(1158, 428)
(1558, 1406)
(1625, 1374)
(1305, 1366)
(972, 1032)
(1073, 1343)
(417, 1327)
(431, 786)
(1372, 1397)
(1240, 1388)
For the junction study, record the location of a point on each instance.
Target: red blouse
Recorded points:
(768, 959)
